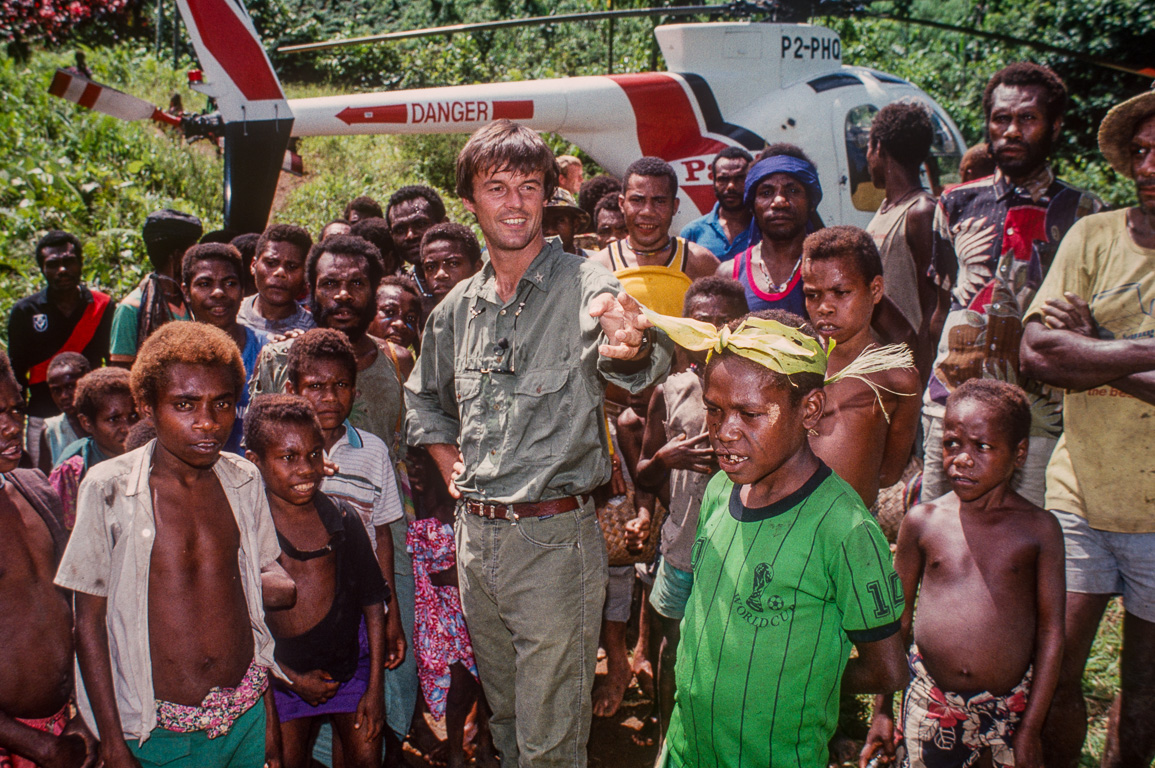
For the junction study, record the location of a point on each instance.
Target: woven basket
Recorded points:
(614, 515)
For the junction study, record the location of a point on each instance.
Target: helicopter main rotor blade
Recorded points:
(109, 101)
(451, 29)
(1144, 72)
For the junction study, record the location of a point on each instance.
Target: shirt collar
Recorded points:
(224, 468)
(538, 274)
(351, 436)
(1035, 186)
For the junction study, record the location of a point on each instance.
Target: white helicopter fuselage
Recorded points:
(729, 84)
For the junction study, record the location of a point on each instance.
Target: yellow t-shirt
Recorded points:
(1103, 467)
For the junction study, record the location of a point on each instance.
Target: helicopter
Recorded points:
(739, 83)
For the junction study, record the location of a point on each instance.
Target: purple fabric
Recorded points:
(290, 706)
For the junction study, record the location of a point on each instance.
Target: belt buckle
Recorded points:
(489, 510)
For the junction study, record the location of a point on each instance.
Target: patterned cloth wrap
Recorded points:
(440, 636)
(54, 725)
(219, 710)
(950, 730)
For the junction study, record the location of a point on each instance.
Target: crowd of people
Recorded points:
(291, 499)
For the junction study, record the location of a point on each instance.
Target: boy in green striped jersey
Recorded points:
(789, 568)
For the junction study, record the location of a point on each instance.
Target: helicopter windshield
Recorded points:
(940, 169)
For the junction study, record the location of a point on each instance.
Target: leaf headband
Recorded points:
(781, 348)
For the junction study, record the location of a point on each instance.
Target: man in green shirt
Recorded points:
(507, 398)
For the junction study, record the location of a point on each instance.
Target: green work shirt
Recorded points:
(518, 385)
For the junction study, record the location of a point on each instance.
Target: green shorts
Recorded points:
(671, 590)
(242, 747)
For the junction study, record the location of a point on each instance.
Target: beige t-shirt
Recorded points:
(1102, 466)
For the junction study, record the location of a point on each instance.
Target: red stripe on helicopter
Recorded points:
(668, 126)
(439, 112)
(89, 96)
(60, 83)
(513, 110)
(393, 113)
(235, 48)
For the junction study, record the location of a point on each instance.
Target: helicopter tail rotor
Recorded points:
(78, 89)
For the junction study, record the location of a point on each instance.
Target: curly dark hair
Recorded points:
(365, 208)
(268, 413)
(320, 344)
(730, 291)
(210, 252)
(187, 343)
(94, 387)
(904, 129)
(417, 192)
(285, 233)
(69, 360)
(1029, 73)
(376, 231)
(731, 153)
(455, 233)
(345, 245)
(845, 242)
(54, 238)
(652, 166)
(1010, 404)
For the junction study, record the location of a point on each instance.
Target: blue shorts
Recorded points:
(671, 590)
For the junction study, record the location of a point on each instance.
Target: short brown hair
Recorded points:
(188, 343)
(95, 386)
(504, 145)
(1027, 73)
(845, 242)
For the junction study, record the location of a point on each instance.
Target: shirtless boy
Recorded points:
(36, 635)
(865, 441)
(166, 561)
(986, 568)
(326, 551)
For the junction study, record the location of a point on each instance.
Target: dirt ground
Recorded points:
(611, 745)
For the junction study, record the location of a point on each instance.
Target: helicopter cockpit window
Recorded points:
(864, 195)
(945, 156)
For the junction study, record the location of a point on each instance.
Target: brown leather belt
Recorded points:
(525, 509)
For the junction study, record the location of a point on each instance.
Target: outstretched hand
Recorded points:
(622, 322)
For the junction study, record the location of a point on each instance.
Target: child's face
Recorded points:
(444, 265)
(398, 316)
(11, 424)
(214, 293)
(715, 310)
(292, 463)
(62, 387)
(839, 301)
(114, 417)
(329, 388)
(194, 412)
(753, 427)
(977, 456)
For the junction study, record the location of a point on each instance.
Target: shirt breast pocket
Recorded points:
(467, 388)
(543, 421)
